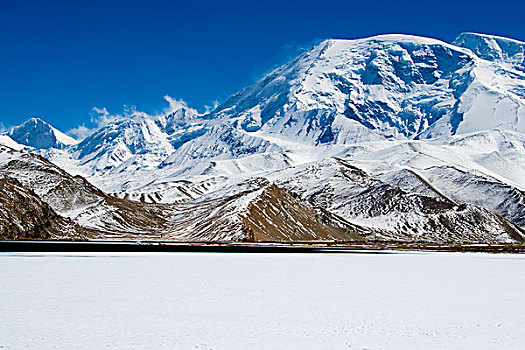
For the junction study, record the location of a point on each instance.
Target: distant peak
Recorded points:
(379, 37)
(494, 48)
(37, 133)
(473, 35)
(388, 39)
(35, 120)
(399, 37)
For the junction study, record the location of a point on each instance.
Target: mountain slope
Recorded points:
(343, 189)
(24, 216)
(255, 210)
(485, 169)
(137, 139)
(75, 198)
(494, 48)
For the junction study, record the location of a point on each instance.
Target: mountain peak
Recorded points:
(494, 48)
(392, 84)
(38, 134)
(487, 37)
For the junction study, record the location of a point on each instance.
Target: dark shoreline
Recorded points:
(266, 247)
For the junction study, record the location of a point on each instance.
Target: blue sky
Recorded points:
(59, 59)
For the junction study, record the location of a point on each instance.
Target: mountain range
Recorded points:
(393, 137)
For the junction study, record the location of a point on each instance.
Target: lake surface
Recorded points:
(262, 301)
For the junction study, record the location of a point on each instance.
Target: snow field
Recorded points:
(262, 301)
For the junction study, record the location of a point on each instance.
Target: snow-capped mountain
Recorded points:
(389, 137)
(38, 134)
(127, 140)
(393, 86)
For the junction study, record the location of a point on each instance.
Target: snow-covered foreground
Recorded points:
(264, 301)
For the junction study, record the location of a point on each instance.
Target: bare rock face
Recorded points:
(24, 216)
(276, 215)
(254, 211)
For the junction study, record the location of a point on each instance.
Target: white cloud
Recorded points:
(101, 110)
(80, 132)
(101, 117)
(212, 107)
(175, 105)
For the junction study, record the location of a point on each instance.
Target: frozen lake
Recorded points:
(263, 301)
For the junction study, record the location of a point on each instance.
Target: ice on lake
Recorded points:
(262, 301)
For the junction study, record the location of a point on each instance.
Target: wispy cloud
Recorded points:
(100, 116)
(175, 105)
(214, 105)
(80, 132)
